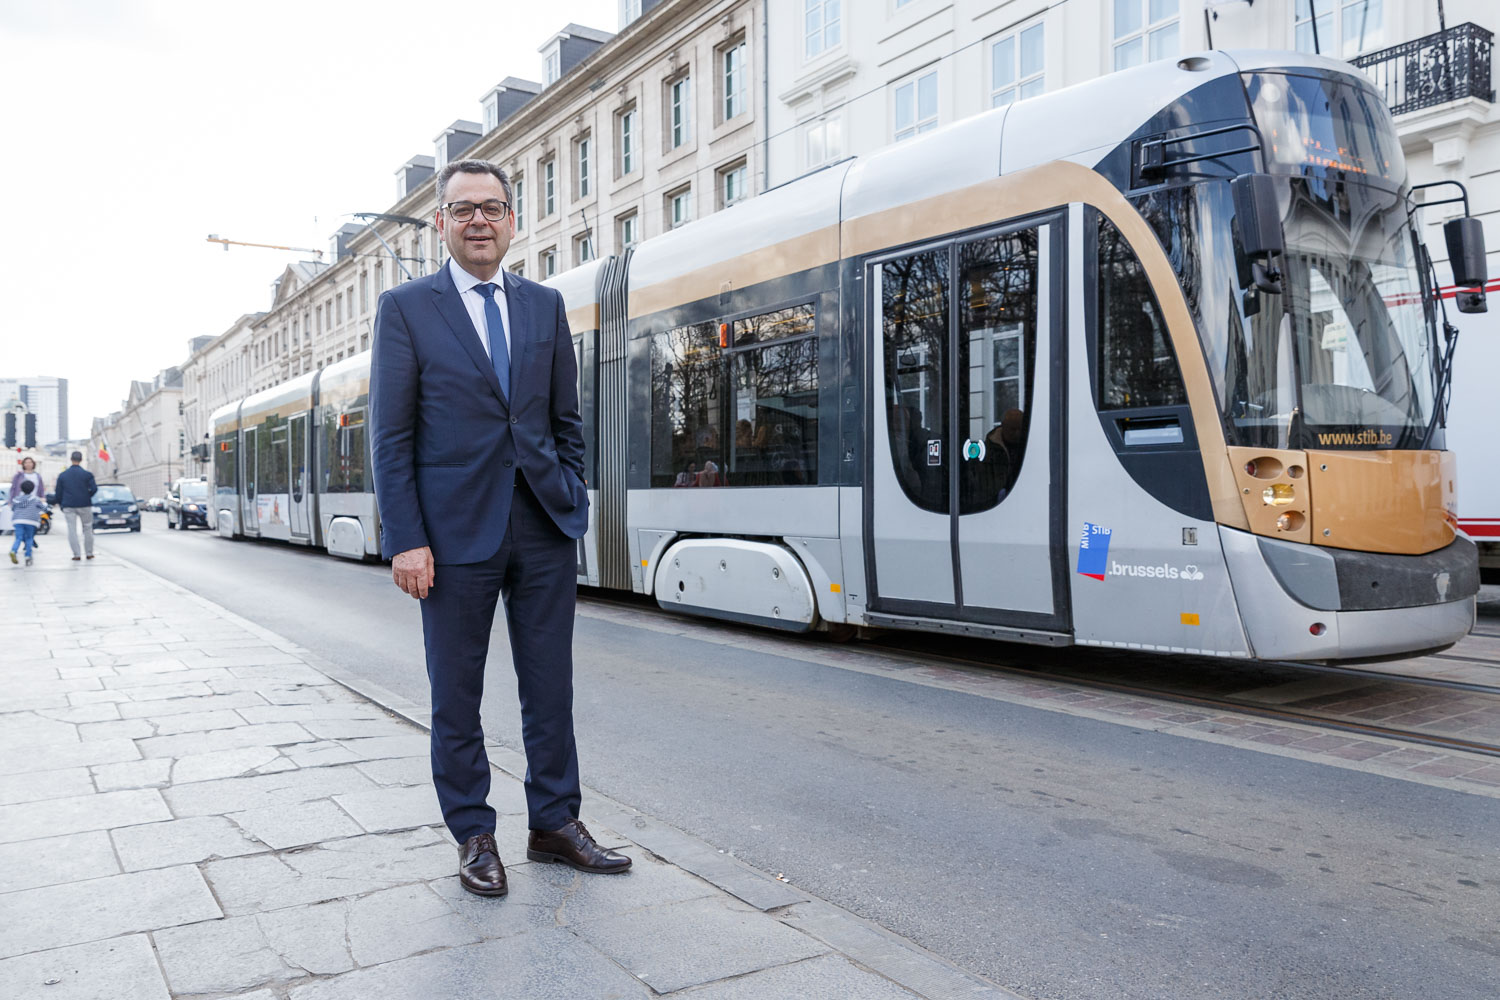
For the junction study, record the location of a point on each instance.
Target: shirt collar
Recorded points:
(465, 282)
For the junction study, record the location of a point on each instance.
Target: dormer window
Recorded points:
(553, 68)
(491, 114)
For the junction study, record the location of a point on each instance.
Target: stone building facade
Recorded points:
(145, 439)
(216, 372)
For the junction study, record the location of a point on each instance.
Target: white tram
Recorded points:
(1153, 362)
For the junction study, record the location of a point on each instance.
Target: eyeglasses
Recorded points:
(463, 211)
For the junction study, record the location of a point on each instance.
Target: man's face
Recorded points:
(479, 244)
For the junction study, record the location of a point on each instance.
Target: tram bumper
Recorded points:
(1304, 602)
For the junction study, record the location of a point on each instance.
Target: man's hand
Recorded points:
(414, 571)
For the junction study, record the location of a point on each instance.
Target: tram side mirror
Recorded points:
(1257, 219)
(1258, 214)
(1465, 239)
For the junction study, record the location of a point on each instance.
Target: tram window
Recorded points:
(997, 348)
(687, 411)
(274, 457)
(774, 399)
(224, 462)
(914, 310)
(1137, 366)
(344, 434)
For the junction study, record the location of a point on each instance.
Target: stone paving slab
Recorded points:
(122, 968)
(648, 942)
(75, 912)
(201, 811)
(48, 818)
(549, 964)
(40, 785)
(30, 864)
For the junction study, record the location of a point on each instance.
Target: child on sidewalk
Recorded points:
(26, 517)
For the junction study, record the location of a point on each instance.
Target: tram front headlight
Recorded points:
(1278, 495)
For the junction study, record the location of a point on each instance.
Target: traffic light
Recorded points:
(10, 430)
(30, 430)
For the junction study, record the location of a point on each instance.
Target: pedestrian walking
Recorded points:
(75, 495)
(28, 473)
(478, 460)
(25, 518)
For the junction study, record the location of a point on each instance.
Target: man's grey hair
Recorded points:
(472, 167)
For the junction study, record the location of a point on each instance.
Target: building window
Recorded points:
(583, 249)
(339, 302)
(627, 230)
(916, 106)
(379, 277)
(364, 341)
(549, 189)
(679, 112)
(491, 114)
(1339, 27)
(629, 11)
(364, 292)
(1146, 30)
(519, 186)
(585, 178)
(547, 262)
(823, 141)
(735, 80)
(553, 67)
(1016, 65)
(628, 128)
(732, 181)
(822, 26)
(518, 269)
(679, 207)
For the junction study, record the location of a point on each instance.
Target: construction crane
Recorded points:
(215, 238)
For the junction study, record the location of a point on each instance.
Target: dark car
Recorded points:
(116, 507)
(187, 504)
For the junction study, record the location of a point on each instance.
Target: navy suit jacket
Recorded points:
(447, 442)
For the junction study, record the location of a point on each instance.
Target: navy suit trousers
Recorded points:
(536, 572)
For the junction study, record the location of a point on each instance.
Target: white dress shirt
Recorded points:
(474, 302)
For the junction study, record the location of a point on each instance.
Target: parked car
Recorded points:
(116, 507)
(154, 504)
(187, 504)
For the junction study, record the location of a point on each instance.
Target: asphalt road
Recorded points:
(1058, 856)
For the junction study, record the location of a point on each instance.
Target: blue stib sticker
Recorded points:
(1093, 551)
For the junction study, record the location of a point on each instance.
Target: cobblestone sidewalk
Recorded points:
(191, 806)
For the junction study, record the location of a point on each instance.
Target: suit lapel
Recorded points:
(518, 299)
(451, 307)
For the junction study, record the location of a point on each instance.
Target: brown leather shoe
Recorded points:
(479, 867)
(574, 845)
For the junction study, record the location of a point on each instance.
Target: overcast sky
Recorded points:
(132, 130)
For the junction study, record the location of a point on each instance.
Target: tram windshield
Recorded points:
(1344, 356)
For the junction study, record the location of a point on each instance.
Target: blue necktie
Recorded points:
(499, 356)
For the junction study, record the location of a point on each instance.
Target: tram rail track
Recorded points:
(1090, 670)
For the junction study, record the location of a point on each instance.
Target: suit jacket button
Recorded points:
(515, 419)
(508, 463)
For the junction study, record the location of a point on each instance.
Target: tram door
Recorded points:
(301, 498)
(963, 509)
(250, 515)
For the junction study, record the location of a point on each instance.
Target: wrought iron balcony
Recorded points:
(1441, 67)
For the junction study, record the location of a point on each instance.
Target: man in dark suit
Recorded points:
(478, 456)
